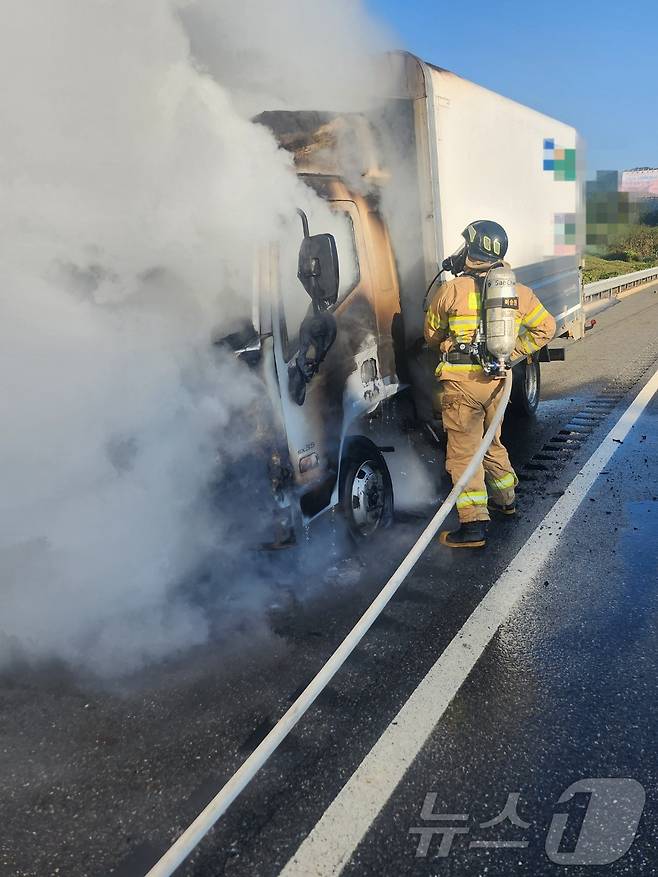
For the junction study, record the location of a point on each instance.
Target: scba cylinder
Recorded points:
(502, 303)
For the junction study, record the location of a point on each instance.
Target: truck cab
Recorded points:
(331, 437)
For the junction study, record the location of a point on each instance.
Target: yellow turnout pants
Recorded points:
(467, 408)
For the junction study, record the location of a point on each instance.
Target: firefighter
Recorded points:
(470, 396)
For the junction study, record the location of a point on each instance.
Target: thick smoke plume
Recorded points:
(133, 193)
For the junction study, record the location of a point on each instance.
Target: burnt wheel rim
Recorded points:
(368, 497)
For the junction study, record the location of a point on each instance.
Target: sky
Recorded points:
(592, 65)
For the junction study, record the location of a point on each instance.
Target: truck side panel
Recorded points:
(498, 159)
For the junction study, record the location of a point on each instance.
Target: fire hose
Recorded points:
(208, 817)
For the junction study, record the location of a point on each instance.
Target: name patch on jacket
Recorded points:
(510, 301)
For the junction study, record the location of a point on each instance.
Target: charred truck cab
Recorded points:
(400, 184)
(335, 365)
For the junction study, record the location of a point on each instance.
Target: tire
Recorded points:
(526, 388)
(366, 494)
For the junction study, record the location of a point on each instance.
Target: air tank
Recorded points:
(501, 305)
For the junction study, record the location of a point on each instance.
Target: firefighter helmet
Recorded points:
(486, 241)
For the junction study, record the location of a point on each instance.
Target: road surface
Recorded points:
(100, 778)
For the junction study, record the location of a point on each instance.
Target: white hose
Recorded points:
(191, 837)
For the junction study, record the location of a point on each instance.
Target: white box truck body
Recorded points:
(487, 156)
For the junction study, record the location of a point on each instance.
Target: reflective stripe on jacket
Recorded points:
(453, 316)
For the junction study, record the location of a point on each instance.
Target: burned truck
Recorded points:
(341, 350)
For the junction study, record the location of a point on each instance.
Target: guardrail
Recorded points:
(615, 285)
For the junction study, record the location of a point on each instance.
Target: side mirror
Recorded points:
(318, 267)
(245, 343)
(251, 354)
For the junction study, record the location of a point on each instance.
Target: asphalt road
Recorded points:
(100, 778)
(565, 694)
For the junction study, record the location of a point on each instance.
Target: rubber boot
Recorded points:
(507, 510)
(470, 535)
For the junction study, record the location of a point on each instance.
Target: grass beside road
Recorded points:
(597, 268)
(633, 249)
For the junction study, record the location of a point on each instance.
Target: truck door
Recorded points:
(314, 429)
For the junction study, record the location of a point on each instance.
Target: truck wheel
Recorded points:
(366, 495)
(526, 388)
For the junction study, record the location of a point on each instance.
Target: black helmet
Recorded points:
(486, 241)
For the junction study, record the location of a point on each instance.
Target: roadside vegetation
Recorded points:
(634, 249)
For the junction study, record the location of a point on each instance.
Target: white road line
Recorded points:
(330, 845)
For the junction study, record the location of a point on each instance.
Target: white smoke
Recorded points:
(133, 192)
(289, 54)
